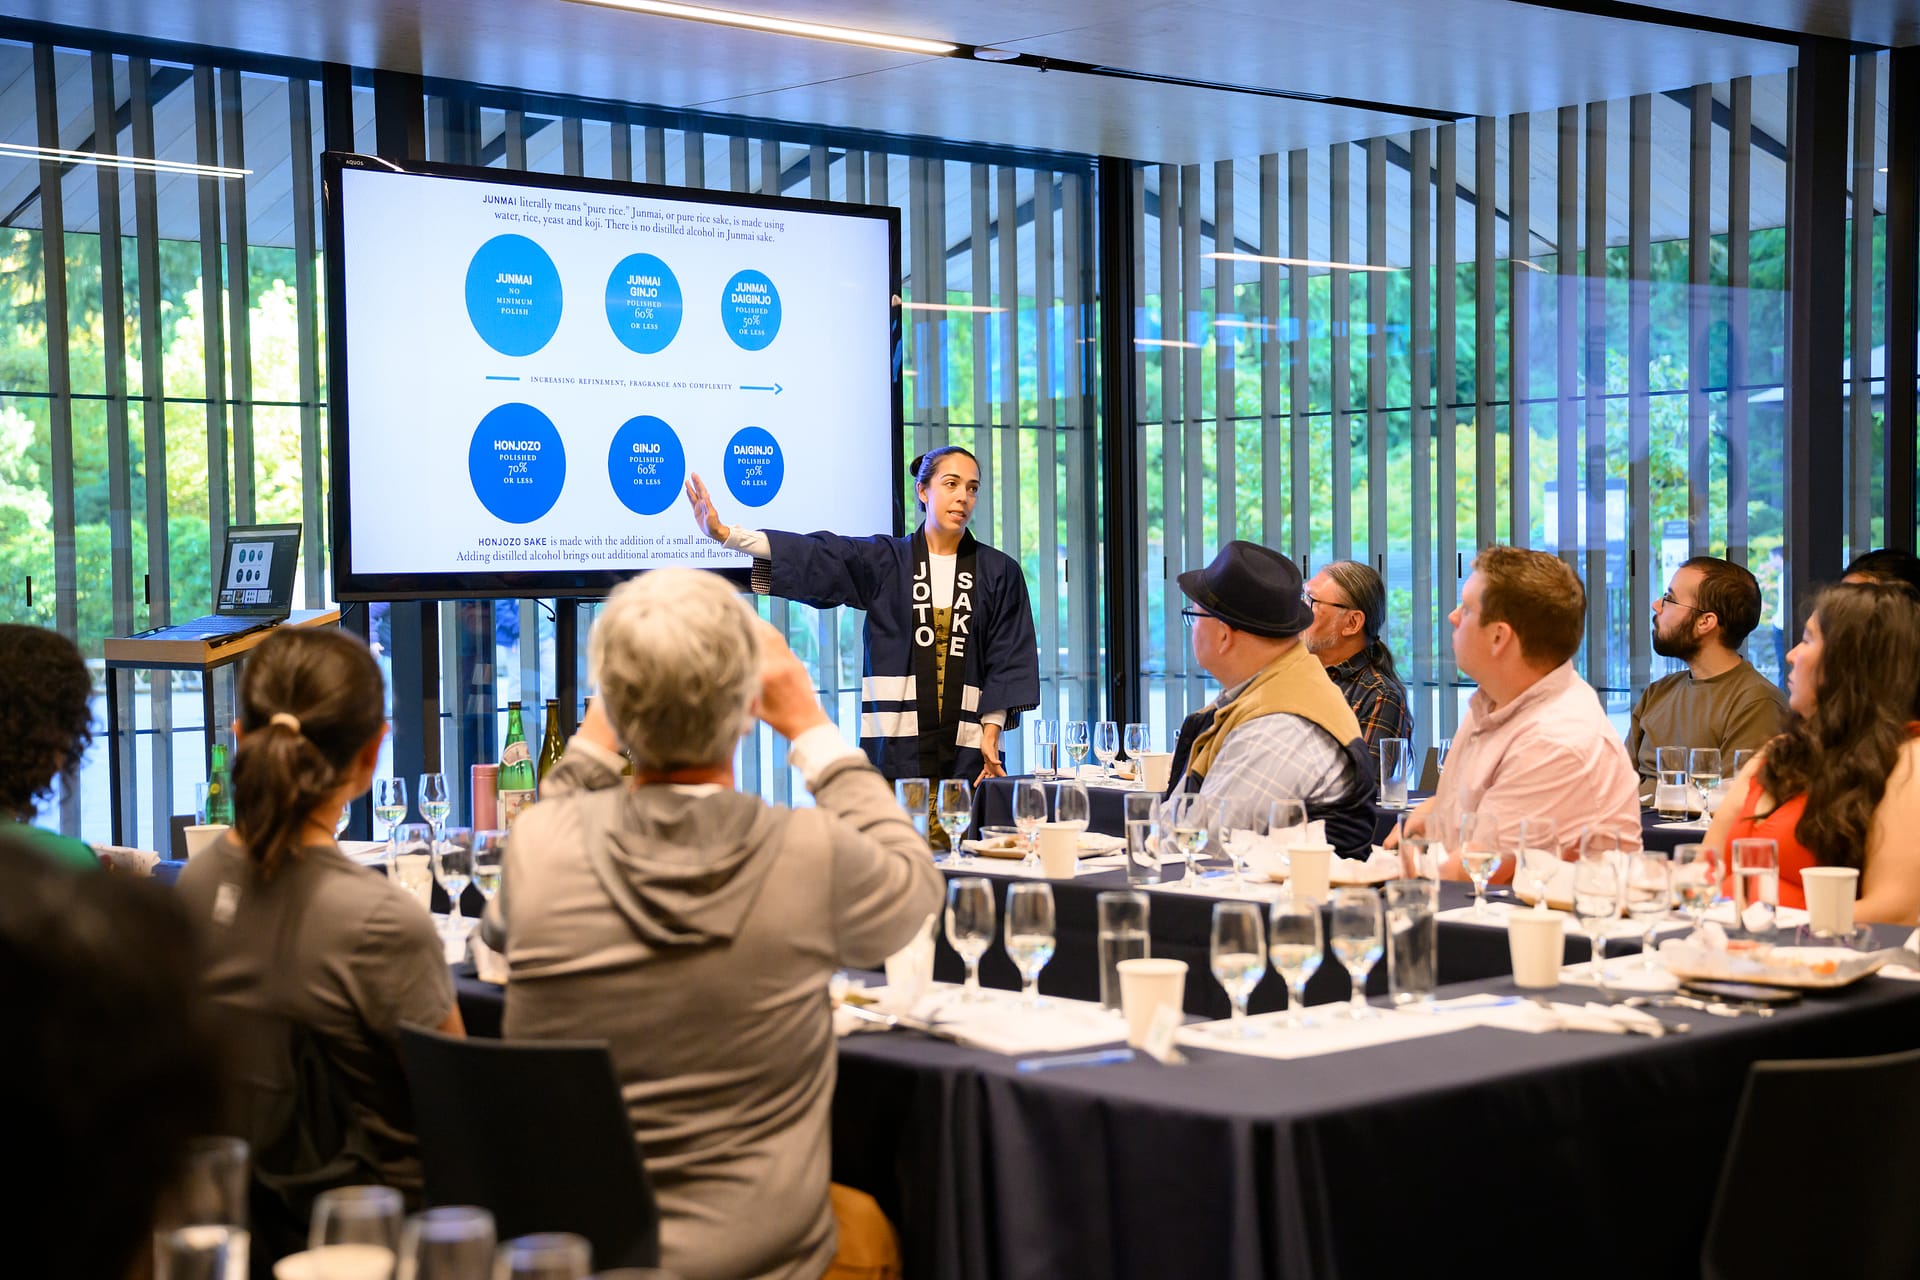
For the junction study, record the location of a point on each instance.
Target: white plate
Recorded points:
(1793, 967)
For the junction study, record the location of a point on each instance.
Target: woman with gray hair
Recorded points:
(694, 928)
(1349, 612)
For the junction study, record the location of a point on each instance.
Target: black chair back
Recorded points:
(537, 1133)
(1813, 1181)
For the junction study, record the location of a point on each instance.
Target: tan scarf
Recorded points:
(1292, 684)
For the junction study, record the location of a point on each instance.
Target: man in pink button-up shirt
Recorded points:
(1536, 742)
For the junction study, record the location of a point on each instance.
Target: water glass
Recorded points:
(1046, 748)
(1417, 859)
(1741, 759)
(1596, 892)
(555, 1255)
(956, 811)
(410, 860)
(489, 853)
(1396, 772)
(435, 804)
(390, 802)
(1029, 815)
(1286, 822)
(915, 796)
(1696, 879)
(454, 1242)
(1413, 941)
(1479, 854)
(1756, 885)
(1106, 745)
(357, 1215)
(1670, 783)
(1074, 740)
(1191, 816)
(1029, 937)
(1649, 895)
(1295, 945)
(1537, 859)
(1123, 935)
(201, 1221)
(1143, 851)
(970, 926)
(1239, 956)
(1356, 937)
(201, 1251)
(1441, 749)
(1703, 774)
(453, 867)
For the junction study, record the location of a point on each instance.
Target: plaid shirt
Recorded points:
(1276, 757)
(1379, 701)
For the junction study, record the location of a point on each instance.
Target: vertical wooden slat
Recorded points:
(654, 145)
(1699, 313)
(1446, 393)
(1273, 433)
(1081, 456)
(1175, 496)
(1046, 531)
(985, 328)
(1739, 309)
(307, 334)
(214, 332)
(1379, 484)
(620, 151)
(1340, 317)
(1226, 346)
(1486, 439)
(1420, 260)
(239, 295)
(1599, 674)
(1520, 287)
(1860, 388)
(1566, 387)
(1299, 363)
(1644, 569)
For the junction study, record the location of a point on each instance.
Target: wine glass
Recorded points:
(390, 802)
(1294, 942)
(1596, 892)
(410, 863)
(916, 797)
(956, 811)
(1696, 879)
(1029, 940)
(489, 853)
(554, 1255)
(453, 868)
(365, 1216)
(453, 1242)
(1239, 955)
(434, 803)
(340, 823)
(970, 926)
(1075, 739)
(1029, 815)
(1649, 887)
(1071, 805)
(1106, 746)
(1742, 757)
(1703, 776)
(1479, 852)
(1191, 820)
(1357, 940)
(1137, 740)
(1537, 859)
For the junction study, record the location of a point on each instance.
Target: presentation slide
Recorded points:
(532, 373)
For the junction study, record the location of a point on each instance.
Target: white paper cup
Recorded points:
(1059, 851)
(200, 839)
(1312, 870)
(1156, 770)
(1830, 895)
(337, 1262)
(1536, 941)
(1146, 987)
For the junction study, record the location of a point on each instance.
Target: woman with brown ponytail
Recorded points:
(303, 946)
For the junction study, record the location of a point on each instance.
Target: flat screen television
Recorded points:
(524, 368)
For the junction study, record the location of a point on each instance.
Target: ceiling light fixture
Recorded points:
(22, 151)
(1529, 265)
(1164, 342)
(1297, 262)
(782, 26)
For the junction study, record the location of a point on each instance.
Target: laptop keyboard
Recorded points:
(210, 627)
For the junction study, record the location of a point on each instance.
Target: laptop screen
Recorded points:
(256, 580)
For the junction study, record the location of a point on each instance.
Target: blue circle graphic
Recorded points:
(753, 466)
(646, 465)
(517, 463)
(750, 309)
(513, 295)
(643, 303)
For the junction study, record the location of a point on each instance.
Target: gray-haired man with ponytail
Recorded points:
(1349, 610)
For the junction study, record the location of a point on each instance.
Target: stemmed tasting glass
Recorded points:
(1742, 757)
(555, 1255)
(1075, 739)
(1294, 942)
(970, 927)
(390, 802)
(367, 1217)
(411, 861)
(1029, 815)
(1029, 940)
(453, 868)
(1596, 893)
(489, 852)
(1649, 895)
(1696, 879)
(1071, 805)
(956, 812)
(434, 804)
(1239, 842)
(1106, 745)
(1137, 738)
(1538, 858)
(1703, 776)
(340, 823)
(1479, 852)
(1357, 939)
(915, 796)
(1239, 955)
(453, 1242)
(1191, 819)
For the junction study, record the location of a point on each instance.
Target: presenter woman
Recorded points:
(951, 660)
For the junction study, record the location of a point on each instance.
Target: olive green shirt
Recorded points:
(1735, 711)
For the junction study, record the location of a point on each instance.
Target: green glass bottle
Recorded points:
(551, 745)
(516, 770)
(219, 790)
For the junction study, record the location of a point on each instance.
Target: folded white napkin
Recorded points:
(1534, 1018)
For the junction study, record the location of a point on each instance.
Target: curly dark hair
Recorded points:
(46, 723)
(1841, 756)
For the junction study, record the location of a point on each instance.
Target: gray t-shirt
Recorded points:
(335, 946)
(1735, 710)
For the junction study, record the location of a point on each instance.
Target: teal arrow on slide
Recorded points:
(775, 388)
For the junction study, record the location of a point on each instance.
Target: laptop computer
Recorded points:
(255, 590)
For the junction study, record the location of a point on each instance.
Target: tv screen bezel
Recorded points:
(349, 586)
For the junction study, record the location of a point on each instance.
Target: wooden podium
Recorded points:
(133, 653)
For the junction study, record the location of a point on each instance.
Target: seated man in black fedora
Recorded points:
(1280, 729)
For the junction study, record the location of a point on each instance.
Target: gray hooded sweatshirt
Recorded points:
(694, 930)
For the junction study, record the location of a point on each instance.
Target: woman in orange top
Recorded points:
(1840, 787)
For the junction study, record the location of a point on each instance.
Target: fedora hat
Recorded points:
(1251, 588)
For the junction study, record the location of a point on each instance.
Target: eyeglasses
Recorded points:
(1668, 599)
(1314, 603)
(1194, 615)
